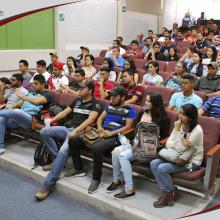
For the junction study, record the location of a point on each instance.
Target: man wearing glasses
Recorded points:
(8, 96)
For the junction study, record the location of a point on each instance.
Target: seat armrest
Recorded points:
(214, 151)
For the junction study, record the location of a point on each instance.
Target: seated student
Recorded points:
(200, 41)
(120, 40)
(134, 93)
(166, 46)
(103, 85)
(89, 68)
(115, 43)
(140, 39)
(81, 58)
(116, 118)
(153, 111)
(209, 84)
(5, 85)
(23, 68)
(186, 133)
(84, 111)
(155, 53)
(54, 58)
(108, 64)
(172, 55)
(134, 52)
(197, 68)
(129, 64)
(74, 85)
(56, 80)
(117, 60)
(30, 105)
(211, 107)
(41, 69)
(147, 46)
(187, 96)
(152, 77)
(211, 55)
(70, 67)
(187, 57)
(9, 95)
(175, 81)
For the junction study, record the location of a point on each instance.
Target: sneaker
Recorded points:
(74, 172)
(2, 150)
(124, 195)
(113, 187)
(42, 194)
(94, 186)
(47, 167)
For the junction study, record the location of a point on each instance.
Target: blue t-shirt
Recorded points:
(116, 116)
(179, 99)
(212, 107)
(120, 60)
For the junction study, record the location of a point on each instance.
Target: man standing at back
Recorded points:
(54, 58)
(23, 68)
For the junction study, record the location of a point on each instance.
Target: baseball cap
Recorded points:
(213, 65)
(58, 65)
(87, 83)
(86, 48)
(54, 54)
(118, 91)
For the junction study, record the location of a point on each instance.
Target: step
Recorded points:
(19, 158)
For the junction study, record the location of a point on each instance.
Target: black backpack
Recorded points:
(42, 155)
(146, 142)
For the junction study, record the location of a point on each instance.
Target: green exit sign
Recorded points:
(61, 17)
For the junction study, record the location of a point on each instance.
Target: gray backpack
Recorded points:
(146, 141)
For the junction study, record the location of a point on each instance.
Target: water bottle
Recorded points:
(47, 120)
(124, 142)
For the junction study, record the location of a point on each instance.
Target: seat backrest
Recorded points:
(173, 116)
(211, 133)
(117, 69)
(141, 73)
(162, 65)
(56, 96)
(184, 44)
(165, 75)
(166, 93)
(171, 66)
(102, 53)
(97, 67)
(99, 60)
(139, 63)
(66, 99)
(202, 95)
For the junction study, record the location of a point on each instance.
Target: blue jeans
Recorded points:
(48, 135)
(13, 118)
(122, 162)
(162, 170)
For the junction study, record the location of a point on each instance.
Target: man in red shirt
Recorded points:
(134, 51)
(103, 85)
(134, 93)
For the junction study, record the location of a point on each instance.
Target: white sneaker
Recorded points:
(2, 150)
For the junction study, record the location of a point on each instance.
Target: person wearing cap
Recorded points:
(134, 93)
(209, 84)
(54, 58)
(134, 51)
(140, 39)
(41, 69)
(116, 118)
(58, 79)
(83, 113)
(103, 85)
(81, 57)
(115, 43)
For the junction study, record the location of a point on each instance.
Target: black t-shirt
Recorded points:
(81, 111)
(49, 97)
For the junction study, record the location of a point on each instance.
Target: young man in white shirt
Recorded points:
(58, 79)
(41, 69)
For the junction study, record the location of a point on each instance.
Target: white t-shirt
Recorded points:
(45, 74)
(148, 78)
(58, 81)
(112, 76)
(89, 71)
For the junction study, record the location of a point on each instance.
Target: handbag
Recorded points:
(168, 154)
(89, 136)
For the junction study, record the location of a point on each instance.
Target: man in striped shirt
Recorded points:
(211, 107)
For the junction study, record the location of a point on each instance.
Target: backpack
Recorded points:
(146, 141)
(42, 155)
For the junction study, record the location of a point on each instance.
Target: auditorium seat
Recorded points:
(171, 66)
(102, 53)
(99, 60)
